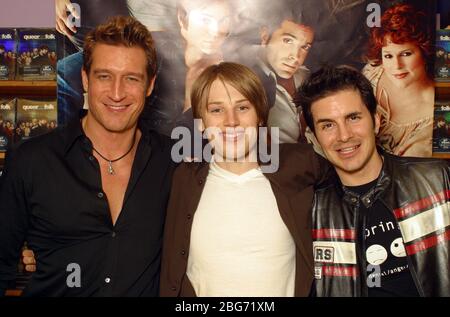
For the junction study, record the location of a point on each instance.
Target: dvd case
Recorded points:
(442, 61)
(7, 122)
(441, 127)
(34, 117)
(8, 53)
(443, 14)
(36, 51)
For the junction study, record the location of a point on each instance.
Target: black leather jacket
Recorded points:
(417, 191)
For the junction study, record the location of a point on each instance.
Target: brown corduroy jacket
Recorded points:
(293, 186)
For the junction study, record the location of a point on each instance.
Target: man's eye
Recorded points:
(133, 79)
(306, 47)
(326, 126)
(354, 117)
(215, 110)
(206, 21)
(287, 40)
(102, 76)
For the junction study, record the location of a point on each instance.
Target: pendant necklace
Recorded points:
(110, 167)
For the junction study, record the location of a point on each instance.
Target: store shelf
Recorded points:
(442, 84)
(13, 292)
(442, 155)
(30, 88)
(442, 90)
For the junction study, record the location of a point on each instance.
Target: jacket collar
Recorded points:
(383, 183)
(201, 170)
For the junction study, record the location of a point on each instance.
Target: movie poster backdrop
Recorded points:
(283, 41)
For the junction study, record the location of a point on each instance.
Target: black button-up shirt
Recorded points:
(51, 196)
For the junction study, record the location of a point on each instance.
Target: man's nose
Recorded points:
(117, 91)
(344, 133)
(231, 118)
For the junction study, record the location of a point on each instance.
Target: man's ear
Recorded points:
(264, 35)
(150, 86)
(377, 123)
(85, 80)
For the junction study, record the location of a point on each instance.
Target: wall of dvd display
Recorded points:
(27, 54)
(441, 124)
(27, 84)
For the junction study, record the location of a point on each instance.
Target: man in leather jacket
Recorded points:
(381, 223)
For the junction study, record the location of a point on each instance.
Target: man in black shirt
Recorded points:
(90, 198)
(381, 223)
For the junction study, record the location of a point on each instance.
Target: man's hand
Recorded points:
(28, 260)
(63, 24)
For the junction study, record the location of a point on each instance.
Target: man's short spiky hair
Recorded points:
(121, 31)
(330, 80)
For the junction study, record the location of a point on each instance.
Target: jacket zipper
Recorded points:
(360, 248)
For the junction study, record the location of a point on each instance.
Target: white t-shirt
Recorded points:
(240, 246)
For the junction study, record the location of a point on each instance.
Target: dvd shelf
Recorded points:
(26, 89)
(27, 77)
(36, 88)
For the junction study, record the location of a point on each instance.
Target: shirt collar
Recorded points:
(73, 131)
(383, 182)
(265, 68)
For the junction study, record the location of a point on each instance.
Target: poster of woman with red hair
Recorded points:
(399, 53)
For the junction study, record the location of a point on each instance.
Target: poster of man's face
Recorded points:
(283, 42)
